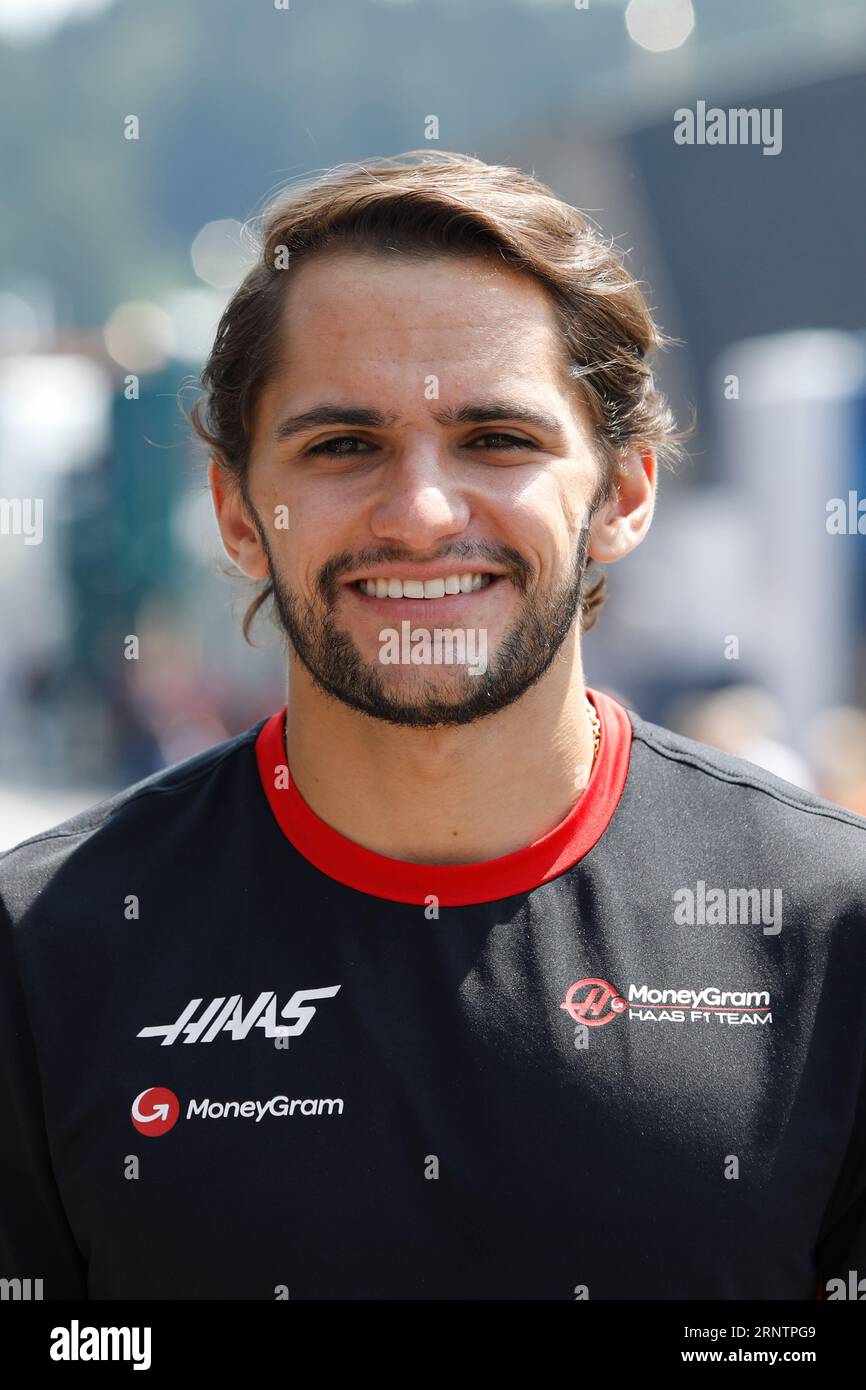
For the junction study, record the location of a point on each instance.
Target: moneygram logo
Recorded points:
(155, 1111)
(594, 1002)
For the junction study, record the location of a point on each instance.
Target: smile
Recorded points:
(386, 587)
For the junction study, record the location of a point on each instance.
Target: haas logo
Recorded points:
(593, 1002)
(155, 1111)
(227, 1015)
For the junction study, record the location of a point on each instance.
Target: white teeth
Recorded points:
(425, 588)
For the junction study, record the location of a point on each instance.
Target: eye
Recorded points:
(513, 441)
(328, 446)
(496, 440)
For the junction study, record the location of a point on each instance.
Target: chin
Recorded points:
(443, 692)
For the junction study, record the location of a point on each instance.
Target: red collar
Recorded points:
(454, 885)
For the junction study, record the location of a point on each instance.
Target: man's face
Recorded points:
(448, 452)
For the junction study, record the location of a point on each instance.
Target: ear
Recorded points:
(239, 536)
(621, 524)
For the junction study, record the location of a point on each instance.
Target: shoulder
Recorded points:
(116, 829)
(738, 798)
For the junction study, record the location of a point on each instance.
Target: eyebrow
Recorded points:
(473, 413)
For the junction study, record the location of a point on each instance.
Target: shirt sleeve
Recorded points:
(36, 1241)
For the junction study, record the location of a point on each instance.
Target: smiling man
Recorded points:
(406, 1001)
(460, 499)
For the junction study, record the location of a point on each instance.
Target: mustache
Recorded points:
(504, 556)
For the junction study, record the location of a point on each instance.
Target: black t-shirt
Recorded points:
(243, 1057)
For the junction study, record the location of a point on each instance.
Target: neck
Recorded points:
(444, 796)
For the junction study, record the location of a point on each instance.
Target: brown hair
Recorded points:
(426, 202)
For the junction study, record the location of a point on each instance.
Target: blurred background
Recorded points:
(138, 138)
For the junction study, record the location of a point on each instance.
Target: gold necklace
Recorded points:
(596, 728)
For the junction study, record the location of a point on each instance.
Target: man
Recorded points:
(454, 979)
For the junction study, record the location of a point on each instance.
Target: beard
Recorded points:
(338, 668)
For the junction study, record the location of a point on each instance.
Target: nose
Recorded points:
(421, 502)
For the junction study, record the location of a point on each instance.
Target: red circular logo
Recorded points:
(155, 1111)
(593, 1002)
